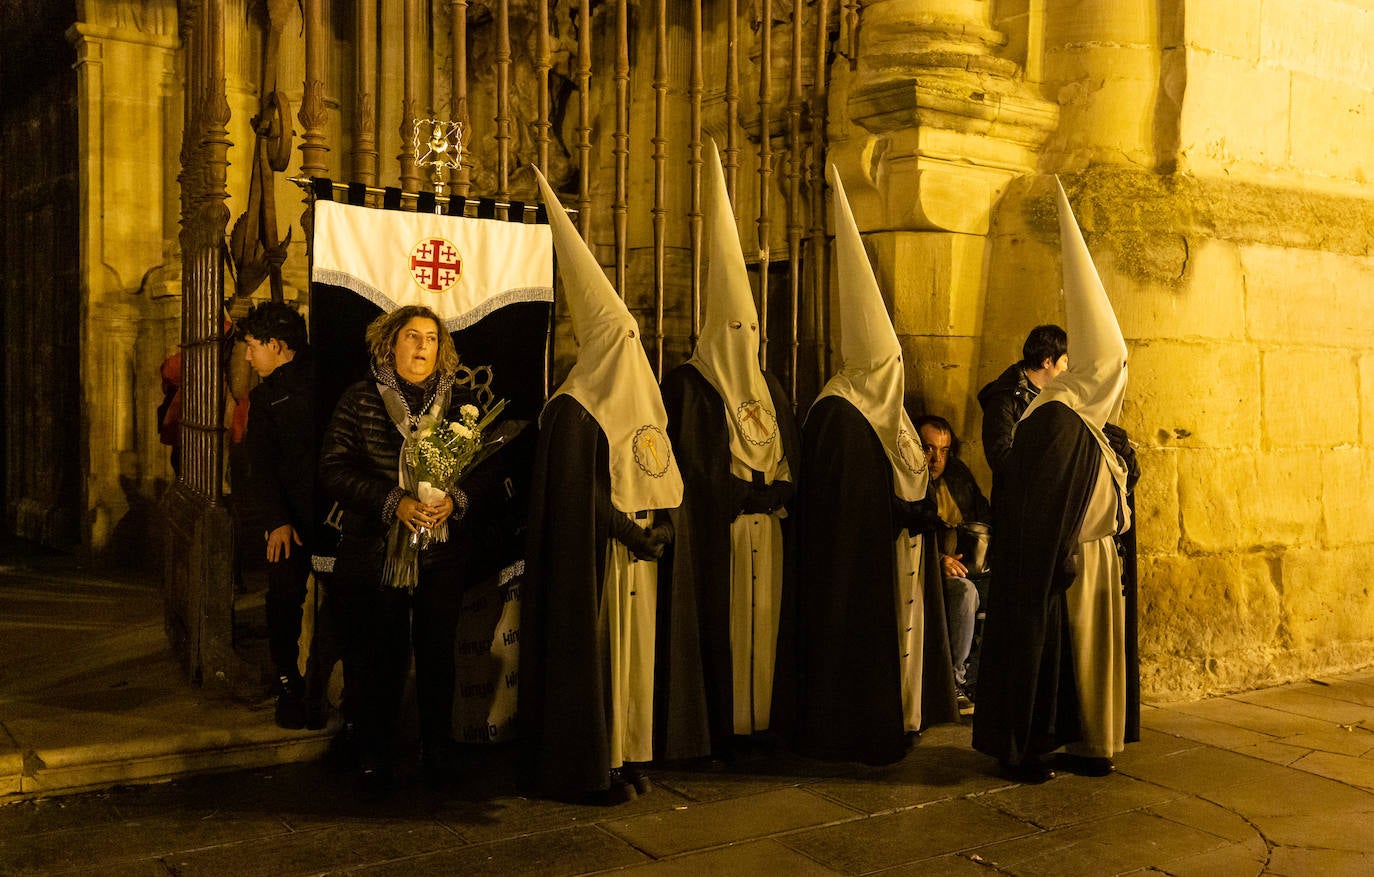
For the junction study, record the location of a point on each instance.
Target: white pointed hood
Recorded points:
(612, 378)
(871, 376)
(1094, 384)
(727, 352)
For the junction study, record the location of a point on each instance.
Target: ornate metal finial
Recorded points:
(437, 144)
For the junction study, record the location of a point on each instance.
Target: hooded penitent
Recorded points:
(871, 375)
(1094, 384)
(612, 378)
(727, 353)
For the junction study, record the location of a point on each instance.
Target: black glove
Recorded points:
(1121, 443)
(643, 544)
(764, 499)
(920, 516)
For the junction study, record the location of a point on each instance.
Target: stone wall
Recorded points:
(1225, 199)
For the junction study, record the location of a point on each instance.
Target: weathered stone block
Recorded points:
(1333, 124)
(1207, 606)
(1106, 96)
(934, 280)
(1309, 398)
(940, 380)
(1023, 290)
(1208, 302)
(1156, 501)
(1367, 399)
(1347, 485)
(1241, 500)
(1301, 296)
(1327, 597)
(1229, 28)
(1234, 113)
(1100, 21)
(1326, 38)
(1192, 395)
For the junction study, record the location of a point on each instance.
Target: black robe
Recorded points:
(848, 673)
(1027, 694)
(565, 693)
(713, 499)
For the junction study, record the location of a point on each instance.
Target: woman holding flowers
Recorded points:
(399, 567)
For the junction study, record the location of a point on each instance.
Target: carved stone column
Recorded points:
(932, 125)
(122, 53)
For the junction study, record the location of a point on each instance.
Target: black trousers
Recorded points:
(286, 581)
(381, 625)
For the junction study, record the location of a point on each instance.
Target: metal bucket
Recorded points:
(973, 539)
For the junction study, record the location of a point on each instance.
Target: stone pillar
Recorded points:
(121, 55)
(928, 127)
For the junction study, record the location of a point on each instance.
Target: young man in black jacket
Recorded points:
(1043, 356)
(281, 451)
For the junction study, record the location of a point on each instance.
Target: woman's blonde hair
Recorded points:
(382, 334)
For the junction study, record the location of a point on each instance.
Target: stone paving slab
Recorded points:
(1114, 845)
(911, 835)
(697, 826)
(1204, 771)
(957, 865)
(1241, 859)
(1293, 862)
(1295, 794)
(315, 852)
(1253, 717)
(1340, 689)
(747, 859)
(1353, 771)
(937, 774)
(1302, 703)
(93, 847)
(1205, 816)
(578, 850)
(1072, 799)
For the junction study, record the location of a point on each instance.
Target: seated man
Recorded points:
(958, 500)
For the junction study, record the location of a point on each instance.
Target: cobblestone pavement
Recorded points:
(1277, 781)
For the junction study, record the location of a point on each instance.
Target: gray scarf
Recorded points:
(402, 568)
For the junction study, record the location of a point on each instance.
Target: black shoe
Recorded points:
(618, 792)
(635, 777)
(964, 702)
(290, 703)
(913, 739)
(1084, 766)
(1032, 771)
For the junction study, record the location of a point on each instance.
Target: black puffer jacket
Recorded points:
(1004, 400)
(358, 467)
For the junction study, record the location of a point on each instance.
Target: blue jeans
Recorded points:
(961, 611)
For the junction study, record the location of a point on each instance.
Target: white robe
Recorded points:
(755, 600)
(629, 602)
(910, 597)
(1097, 626)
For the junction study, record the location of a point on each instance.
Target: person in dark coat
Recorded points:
(1059, 664)
(610, 670)
(732, 427)
(393, 588)
(959, 503)
(873, 660)
(280, 451)
(1043, 356)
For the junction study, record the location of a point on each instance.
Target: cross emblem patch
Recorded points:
(435, 264)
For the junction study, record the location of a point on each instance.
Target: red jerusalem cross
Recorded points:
(435, 263)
